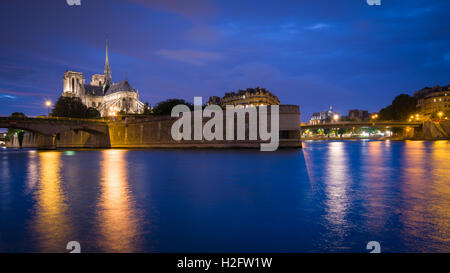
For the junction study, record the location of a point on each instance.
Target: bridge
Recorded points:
(53, 126)
(48, 130)
(372, 124)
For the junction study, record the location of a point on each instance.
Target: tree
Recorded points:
(402, 107)
(328, 131)
(72, 107)
(164, 108)
(18, 115)
(342, 131)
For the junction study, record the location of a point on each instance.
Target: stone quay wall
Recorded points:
(155, 132)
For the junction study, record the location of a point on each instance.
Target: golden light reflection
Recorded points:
(117, 219)
(426, 195)
(440, 190)
(414, 188)
(337, 180)
(51, 221)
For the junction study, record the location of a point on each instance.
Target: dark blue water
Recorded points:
(327, 197)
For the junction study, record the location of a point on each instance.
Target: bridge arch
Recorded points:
(60, 133)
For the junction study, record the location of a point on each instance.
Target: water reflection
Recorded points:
(50, 222)
(440, 191)
(337, 202)
(32, 171)
(375, 172)
(308, 165)
(5, 197)
(117, 220)
(426, 196)
(397, 193)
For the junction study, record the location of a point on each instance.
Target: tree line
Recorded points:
(73, 107)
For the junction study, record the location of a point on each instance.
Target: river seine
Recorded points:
(330, 196)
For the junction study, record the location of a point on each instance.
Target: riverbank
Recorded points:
(430, 130)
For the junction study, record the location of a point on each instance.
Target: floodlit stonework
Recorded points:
(101, 93)
(433, 100)
(249, 97)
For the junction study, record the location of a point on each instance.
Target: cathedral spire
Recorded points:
(107, 67)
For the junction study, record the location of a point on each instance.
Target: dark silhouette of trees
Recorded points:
(402, 107)
(72, 107)
(164, 108)
(18, 115)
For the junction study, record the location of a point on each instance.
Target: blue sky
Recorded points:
(314, 54)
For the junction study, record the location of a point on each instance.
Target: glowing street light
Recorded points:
(336, 117)
(48, 103)
(440, 114)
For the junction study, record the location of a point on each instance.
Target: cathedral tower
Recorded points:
(108, 80)
(73, 83)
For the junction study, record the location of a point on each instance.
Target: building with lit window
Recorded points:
(358, 115)
(249, 97)
(2, 139)
(323, 117)
(433, 100)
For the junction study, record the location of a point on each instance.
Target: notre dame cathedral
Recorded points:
(102, 94)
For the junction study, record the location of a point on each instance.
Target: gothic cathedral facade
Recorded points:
(102, 94)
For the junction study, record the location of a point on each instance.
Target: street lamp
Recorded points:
(48, 103)
(440, 114)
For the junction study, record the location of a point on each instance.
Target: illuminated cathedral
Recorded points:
(101, 93)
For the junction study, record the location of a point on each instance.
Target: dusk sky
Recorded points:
(310, 53)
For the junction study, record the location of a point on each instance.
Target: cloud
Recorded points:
(15, 94)
(2, 96)
(195, 57)
(318, 26)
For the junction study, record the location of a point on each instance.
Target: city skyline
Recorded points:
(350, 55)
